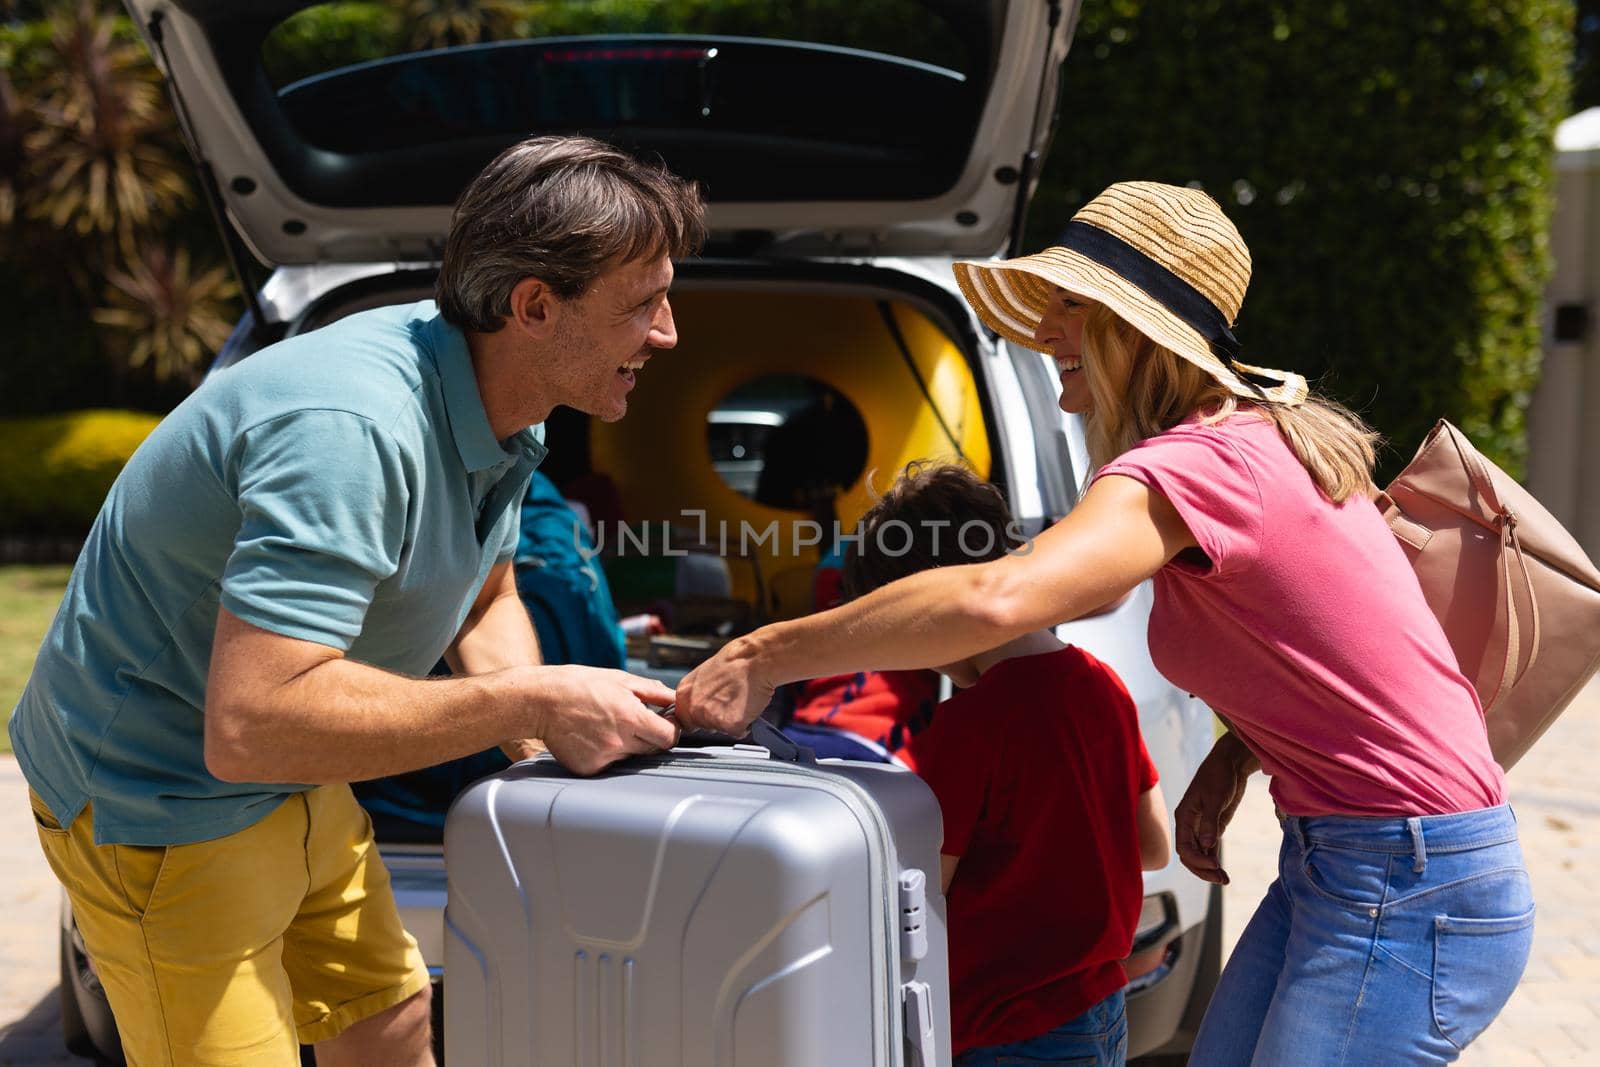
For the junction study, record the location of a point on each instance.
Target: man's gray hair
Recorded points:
(560, 209)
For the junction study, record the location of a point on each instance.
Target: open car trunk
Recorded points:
(343, 132)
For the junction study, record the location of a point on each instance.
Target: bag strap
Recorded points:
(1479, 471)
(762, 733)
(1511, 545)
(1533, 606)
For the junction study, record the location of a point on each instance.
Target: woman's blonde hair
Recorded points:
(1141, 389)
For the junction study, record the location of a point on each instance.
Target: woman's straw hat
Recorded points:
(1163, 257)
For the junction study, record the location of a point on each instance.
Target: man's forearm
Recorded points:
(284, 709)
(345, 721)
(497, 635)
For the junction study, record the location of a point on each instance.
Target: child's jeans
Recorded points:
(1097, 1038)
(829, 742)
(1382, 941)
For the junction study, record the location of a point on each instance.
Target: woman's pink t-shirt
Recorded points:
(1308, 632)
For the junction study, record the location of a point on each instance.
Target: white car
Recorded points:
(848, 161)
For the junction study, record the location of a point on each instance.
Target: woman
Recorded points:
(1402, 916)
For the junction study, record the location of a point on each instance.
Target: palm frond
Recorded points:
(161, 312)
(103, 149)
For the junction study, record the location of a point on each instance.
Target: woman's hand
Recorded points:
(725, 693)
(1208, 806)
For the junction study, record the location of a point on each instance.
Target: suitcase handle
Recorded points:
(762, 733)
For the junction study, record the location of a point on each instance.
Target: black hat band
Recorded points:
(1173, 293)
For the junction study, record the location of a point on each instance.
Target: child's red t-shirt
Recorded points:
(1038, 769)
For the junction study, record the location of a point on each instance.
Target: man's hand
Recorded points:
(595, 717)
(1208, 806)
(724, 693)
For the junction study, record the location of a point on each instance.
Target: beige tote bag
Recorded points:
(1519, 599)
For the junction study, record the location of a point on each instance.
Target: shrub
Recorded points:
(1389, 165)
(94, 189)
(330, 35)
(55, 469)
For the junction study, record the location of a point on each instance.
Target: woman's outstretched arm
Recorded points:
(1120, 533)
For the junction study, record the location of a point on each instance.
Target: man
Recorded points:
(277, 566)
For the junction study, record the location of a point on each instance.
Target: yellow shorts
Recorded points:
(234, 951)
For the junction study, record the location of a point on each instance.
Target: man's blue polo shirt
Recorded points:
(342, 487)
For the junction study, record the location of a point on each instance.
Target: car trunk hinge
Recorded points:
(1032, 159)
(210, 192)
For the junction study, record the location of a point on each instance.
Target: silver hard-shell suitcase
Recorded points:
(737, 905)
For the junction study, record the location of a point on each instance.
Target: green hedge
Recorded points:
(1388, 163)
(55, 469)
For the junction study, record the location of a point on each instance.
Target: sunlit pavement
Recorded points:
(30, 1023)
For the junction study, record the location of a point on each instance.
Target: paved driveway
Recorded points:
(1553, 1018)
(30, 1024)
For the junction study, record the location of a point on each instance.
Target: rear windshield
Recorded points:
(825, 99)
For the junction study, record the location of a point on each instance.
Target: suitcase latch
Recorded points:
(913, 915)
(919, 1022)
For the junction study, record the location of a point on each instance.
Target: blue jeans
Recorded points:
(1097, 1037)
(1383, 941)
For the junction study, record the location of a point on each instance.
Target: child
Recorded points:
(1051, 807)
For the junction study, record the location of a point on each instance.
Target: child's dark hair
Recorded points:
(934, 515)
